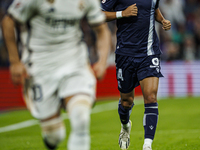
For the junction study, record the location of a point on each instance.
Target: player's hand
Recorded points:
(18, 73)
(166, 25)
(99, 69)
(130, 11)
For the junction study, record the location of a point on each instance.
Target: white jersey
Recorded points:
(57, 57)
(54, 27)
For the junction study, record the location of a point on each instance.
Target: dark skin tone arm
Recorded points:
(159, 18)
(132, 10)
(128, 12)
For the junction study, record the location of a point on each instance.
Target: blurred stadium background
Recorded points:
(180, 58)
(179, 120)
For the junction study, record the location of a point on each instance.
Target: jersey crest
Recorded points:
(81, 5)
(103, 1)
(18, 5)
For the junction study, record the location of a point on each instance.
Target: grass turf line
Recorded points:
(178, 128)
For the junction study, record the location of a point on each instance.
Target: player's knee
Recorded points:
(79, 108)
(53, 131)
(127, 102)
(150, 98)
(80, 121)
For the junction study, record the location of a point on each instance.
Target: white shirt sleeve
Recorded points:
(94, 14)
(23, 10)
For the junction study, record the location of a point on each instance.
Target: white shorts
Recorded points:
(44, 91)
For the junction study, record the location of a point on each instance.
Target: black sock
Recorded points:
(150, 120)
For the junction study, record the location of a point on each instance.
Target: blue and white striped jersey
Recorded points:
(136, 36)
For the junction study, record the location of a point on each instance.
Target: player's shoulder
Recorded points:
(92, 2)
(25, 2)
(108, 1)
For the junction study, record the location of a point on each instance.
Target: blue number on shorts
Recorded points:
(37, 92)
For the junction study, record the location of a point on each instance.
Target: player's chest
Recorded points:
(142, 4)
(71, 9)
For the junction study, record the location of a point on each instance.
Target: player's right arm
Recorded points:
(17, 69)
(132, 10)
(20, 11)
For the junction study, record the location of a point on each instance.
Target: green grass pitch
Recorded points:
(178, 127)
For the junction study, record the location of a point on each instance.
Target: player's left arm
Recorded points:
(159, 18)
(96, 19)
(103, 45)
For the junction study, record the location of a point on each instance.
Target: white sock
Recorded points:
(148, 142)
(53, 131)
(80, 122)
(126, 126)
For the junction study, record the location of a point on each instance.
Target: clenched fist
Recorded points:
(166, 25)
(130, 11)
(18, 73)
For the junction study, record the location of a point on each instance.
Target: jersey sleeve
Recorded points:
(157, 4)
(107, 5)
(94, 13)
(22, 10)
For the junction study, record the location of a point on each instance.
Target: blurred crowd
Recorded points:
(182, 42)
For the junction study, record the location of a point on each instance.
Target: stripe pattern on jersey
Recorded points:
(151, 28)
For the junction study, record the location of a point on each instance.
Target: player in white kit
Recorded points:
(54, 68)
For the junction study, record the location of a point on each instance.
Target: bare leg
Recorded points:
(149, 88)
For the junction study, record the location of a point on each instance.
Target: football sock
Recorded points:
(80, 121)
(124, 114)
(147, 142)
(53, 132)
(150, 120)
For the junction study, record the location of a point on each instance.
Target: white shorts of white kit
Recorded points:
(45, 90)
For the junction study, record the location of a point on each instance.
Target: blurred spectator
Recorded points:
(113, 29)
(197, 33)
(173, 11)
(90, 39)
(176, 45)
(189, 48)
(191, 7)
(172, 51)
(178, 37)
(185, 18)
